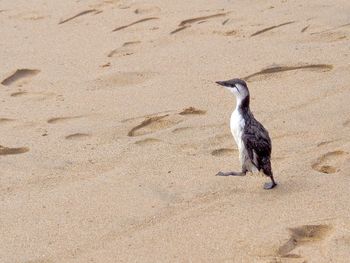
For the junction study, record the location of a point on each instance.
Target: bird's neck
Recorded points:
(242, 103)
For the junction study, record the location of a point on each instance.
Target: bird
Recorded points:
(252, 139)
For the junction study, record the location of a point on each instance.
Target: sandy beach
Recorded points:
(112, 130)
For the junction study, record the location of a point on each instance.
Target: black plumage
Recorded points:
(256, 140)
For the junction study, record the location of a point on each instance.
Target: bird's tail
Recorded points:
(265, 166)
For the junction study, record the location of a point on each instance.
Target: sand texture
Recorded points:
(112, 130)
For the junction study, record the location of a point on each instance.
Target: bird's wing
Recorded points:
(256, 140)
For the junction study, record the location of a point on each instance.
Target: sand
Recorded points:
(112, 131)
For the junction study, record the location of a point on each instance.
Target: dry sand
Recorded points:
(104, 160)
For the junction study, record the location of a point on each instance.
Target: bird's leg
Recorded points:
(244, 171)
(230, 174)
(272, 184)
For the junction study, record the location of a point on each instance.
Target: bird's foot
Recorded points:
(230, 174)
(270, 185)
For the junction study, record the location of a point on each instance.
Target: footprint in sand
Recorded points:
(20, 75)
(304, 29)
(10, 151)
(77, 136)
(134, 23)
(78, 15)
(147, 141)
(62, 119)
(199, 19)
(122, 79)
(127, 49)
(330, 162)
(302, 235)
(182, 129)
(192, 111)
(278, 69)
(35, 96)
(188, 22)
(5, 120)
(270, 28)
(18, 93)
(225, 33)
(155, 123)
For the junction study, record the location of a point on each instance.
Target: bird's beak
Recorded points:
(221, 83)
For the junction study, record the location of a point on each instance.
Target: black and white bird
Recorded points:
(253, 140)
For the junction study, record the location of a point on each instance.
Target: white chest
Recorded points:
(237, 126)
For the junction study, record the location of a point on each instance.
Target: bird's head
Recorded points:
(237, 86)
